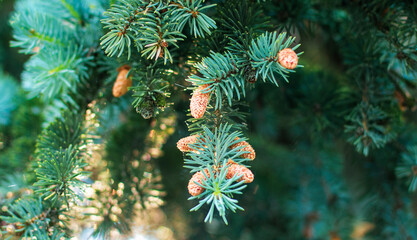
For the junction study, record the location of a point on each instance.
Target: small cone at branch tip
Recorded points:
(183, 143)
(288, 58)
(236, 169)
(122, 82)
(361, 229)
(199, 102)
(193, 188)
(247, 148)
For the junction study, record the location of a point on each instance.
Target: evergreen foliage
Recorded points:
(213, 151)
(85, 133)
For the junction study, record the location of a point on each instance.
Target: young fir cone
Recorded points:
(122, 82)
(183, 143)
(247, 148)
(193, 188)
(236, 169)
(199, 102)
(288, 58)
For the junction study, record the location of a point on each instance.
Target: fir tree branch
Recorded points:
(72, 10)
(190, 12)
(212, 154)
(264, 55)
(37, 30)
(222, 76)
(55, 71)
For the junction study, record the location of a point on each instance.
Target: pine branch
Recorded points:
(218, 194)
(150, 94)
(220, 74)
(152, 26)
(190, 12)
(366, 123)
(58, 174)
(119, 20)
(33, 31)
(29, 218)
(55, 71)
(234, 116)
(213, 157)
(70, 6)
(264, 55)
(65, 131)
(60, 159)
(157, 36)
(225, 76)
(215, 148)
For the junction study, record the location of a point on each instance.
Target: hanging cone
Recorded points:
(122, 82)
(199, 102)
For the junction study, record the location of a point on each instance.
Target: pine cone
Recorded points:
(250, 74)
(183, 143)
(247, 148)
(122, 83)
(199, 102)
(147, 109)
(288, 58)
(193, 188)
(236, 169)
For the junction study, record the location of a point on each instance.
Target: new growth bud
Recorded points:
(246, 148)
(122, 82)
(199, 102)
(183, 143)
(288, 58)
(193, 188)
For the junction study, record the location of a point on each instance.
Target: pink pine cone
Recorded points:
(183, 143)
(193, 188)
(199, 102)
(247, 148)
(236, 169)
(288, 58)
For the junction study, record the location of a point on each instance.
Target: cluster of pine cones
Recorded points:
(198, 105)
(233, 168)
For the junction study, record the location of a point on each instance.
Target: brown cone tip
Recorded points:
(124, 67)
(122, 82)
